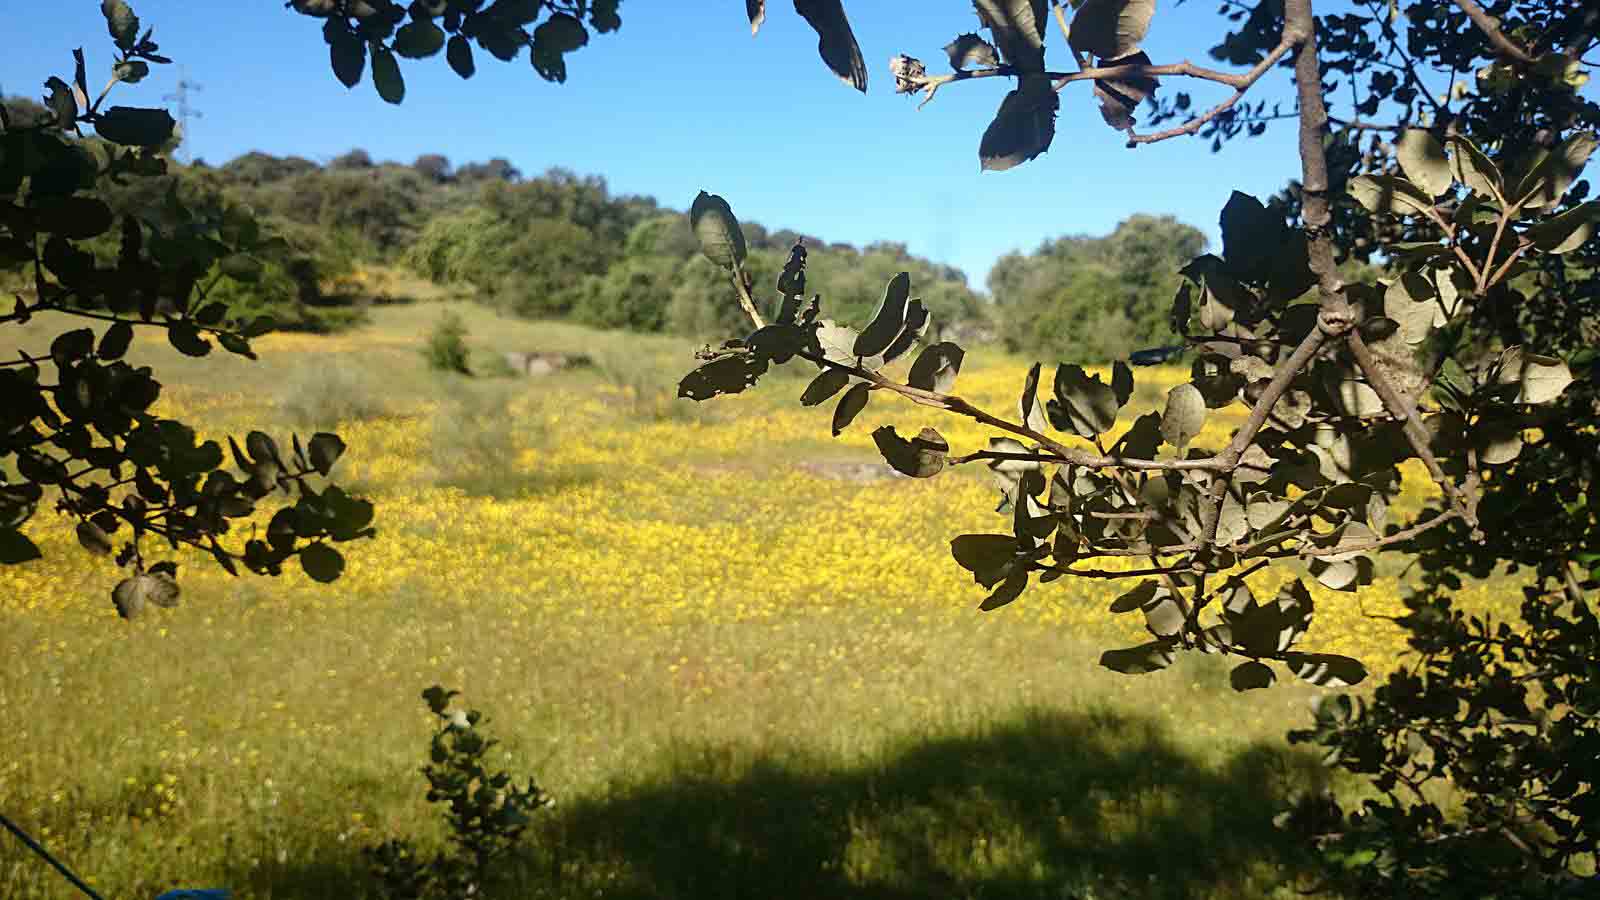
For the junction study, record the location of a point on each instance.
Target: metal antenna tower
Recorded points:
(185, 111)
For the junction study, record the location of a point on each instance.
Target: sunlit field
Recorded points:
(741, 669)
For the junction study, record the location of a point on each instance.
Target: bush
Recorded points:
(447, 345)
(475, 441)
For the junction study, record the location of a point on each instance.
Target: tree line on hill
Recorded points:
(562, 245)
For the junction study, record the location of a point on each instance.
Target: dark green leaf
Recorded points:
(1472, 168)
(386, 76)
(888, 320)
(778, 343)
(458, 52)
(438, 699)
(969, 50)
(324, 450)
(241, 267)
(61, 101)
(1252, 235)
(1568, 231)
(1326, 669)
(936, 368)
(1141, 440)
(1250, 675)
(75, 218)
(418, 39)
(1142, 594)
(916, 325)
(121, 23)
(828, 382)
(186, 339)
(1111, 28)
(262, 447)
(114, 343)
(1019, 29)
(1121, 382)
(1083, 405)
(348, 56)
(321, 562)
(15, 548)
(1023, 127)
(135, 127)
(70, 346)
(1009, 590)
(1185, 415)
(94, 539)
(1423, 161)
(836, 43)
(727, 375)
(233, 343)
(1390, 194)
(131, 594)
(1547, 182)
(718, 231)
(850, 406)
(131, 72)
(552, 40)
(987, 556)
(1151, 657)
(921, 457)
(1029, 407)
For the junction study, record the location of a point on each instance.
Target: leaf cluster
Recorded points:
(78, 426)
(384, 32)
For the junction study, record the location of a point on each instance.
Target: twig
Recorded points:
(1410, 66)
(1239, 83)
(1125, 573)
(1397, 537)
(742, 283)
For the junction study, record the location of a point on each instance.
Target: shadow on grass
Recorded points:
(1046, 805)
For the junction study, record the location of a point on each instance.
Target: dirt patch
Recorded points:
(858, 472)
(854, 471)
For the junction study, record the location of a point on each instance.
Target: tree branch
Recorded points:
(1491, 30)
(741, 282)
(1240, 84)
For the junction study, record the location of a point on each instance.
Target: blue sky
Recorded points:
(682, 98)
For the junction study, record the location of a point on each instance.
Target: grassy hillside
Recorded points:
(739, 676)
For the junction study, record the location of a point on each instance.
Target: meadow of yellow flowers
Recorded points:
(683, 634)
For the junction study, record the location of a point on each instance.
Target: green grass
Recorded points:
(837, 746)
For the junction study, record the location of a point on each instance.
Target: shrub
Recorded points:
(447, 345)
(327, 391)
(487, 813)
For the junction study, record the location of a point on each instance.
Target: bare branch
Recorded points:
(1240, 83)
